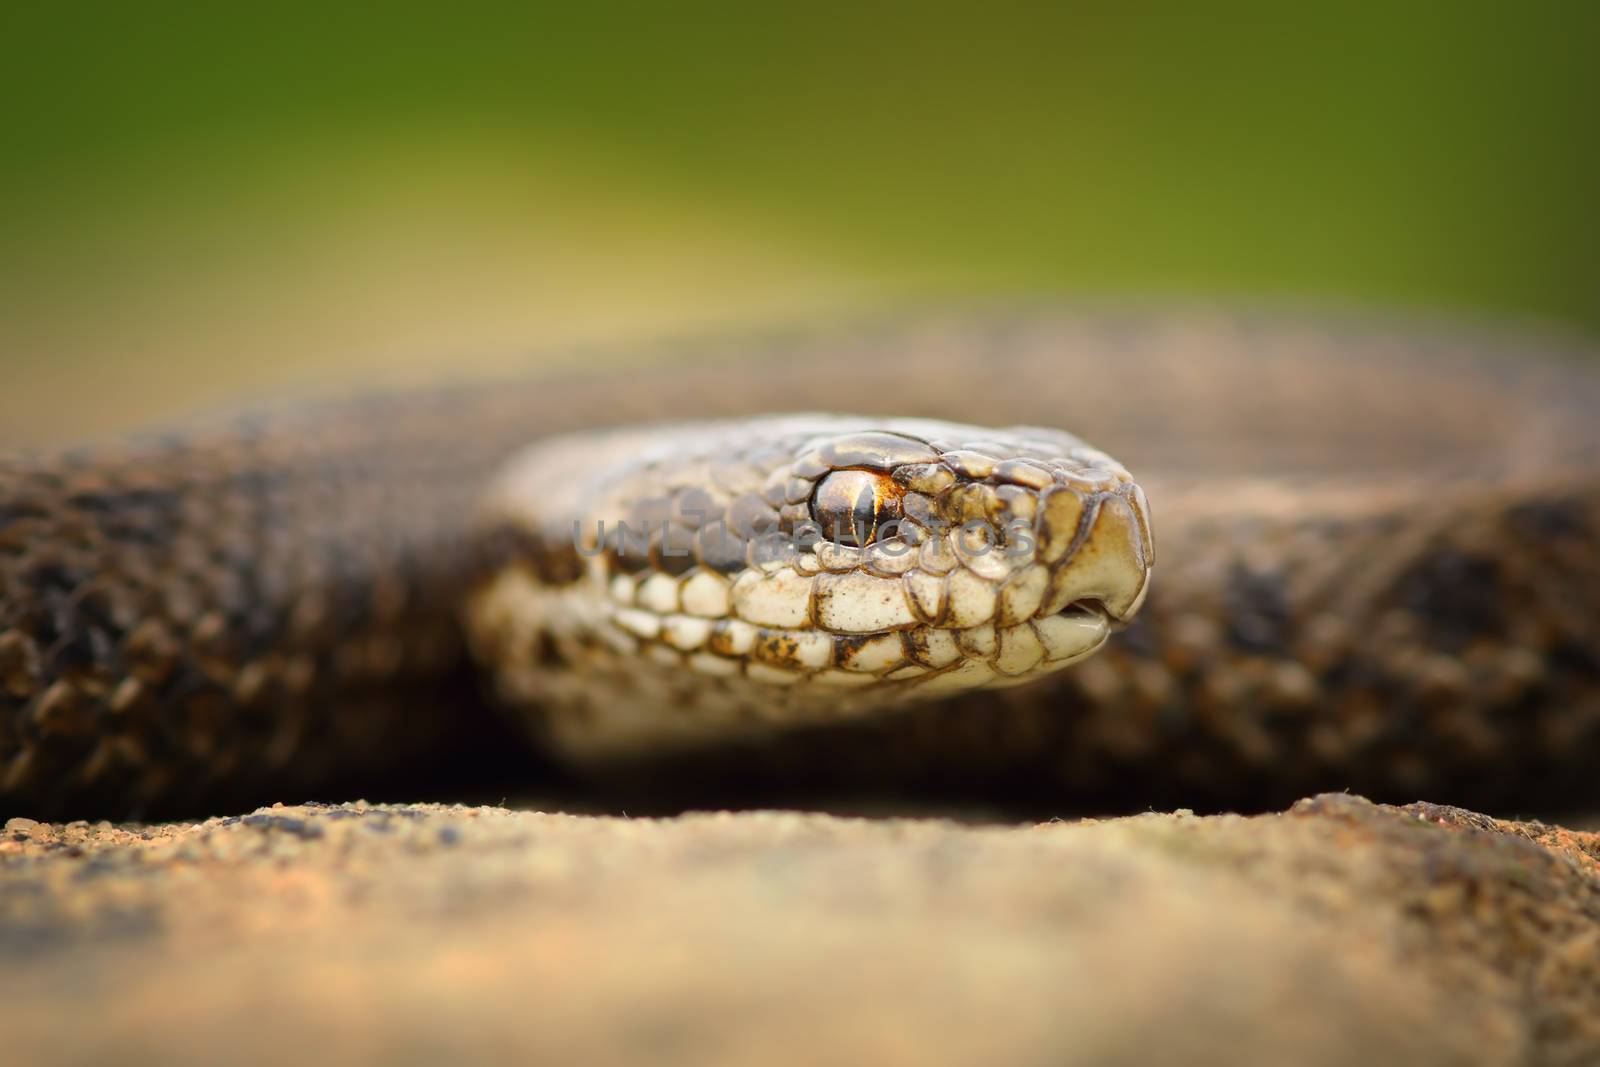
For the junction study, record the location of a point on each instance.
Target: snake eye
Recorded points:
(850, 505)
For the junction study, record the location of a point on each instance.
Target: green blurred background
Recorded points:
(196, 206)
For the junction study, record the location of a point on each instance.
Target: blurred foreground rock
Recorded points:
(1338, 932)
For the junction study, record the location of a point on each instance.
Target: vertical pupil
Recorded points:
(847, 507)
(864, 515)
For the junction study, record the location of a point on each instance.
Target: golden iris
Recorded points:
(851, 506)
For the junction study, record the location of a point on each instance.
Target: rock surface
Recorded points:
(1338, 932)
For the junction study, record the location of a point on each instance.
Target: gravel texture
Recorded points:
(1336, 932)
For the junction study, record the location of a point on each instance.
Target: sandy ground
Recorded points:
(1336, 932)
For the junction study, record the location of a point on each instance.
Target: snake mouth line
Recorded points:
(1089, 609)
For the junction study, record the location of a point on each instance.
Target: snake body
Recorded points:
(1380, 552)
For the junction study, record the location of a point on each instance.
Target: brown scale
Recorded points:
(1380, 570)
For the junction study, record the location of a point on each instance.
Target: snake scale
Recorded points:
(1379, 549)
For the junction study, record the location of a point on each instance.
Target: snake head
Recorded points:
(804, 567)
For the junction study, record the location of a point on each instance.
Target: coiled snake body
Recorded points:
(1380, 570)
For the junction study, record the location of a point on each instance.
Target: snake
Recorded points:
(877, 555)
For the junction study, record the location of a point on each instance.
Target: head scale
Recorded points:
(680, 580)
